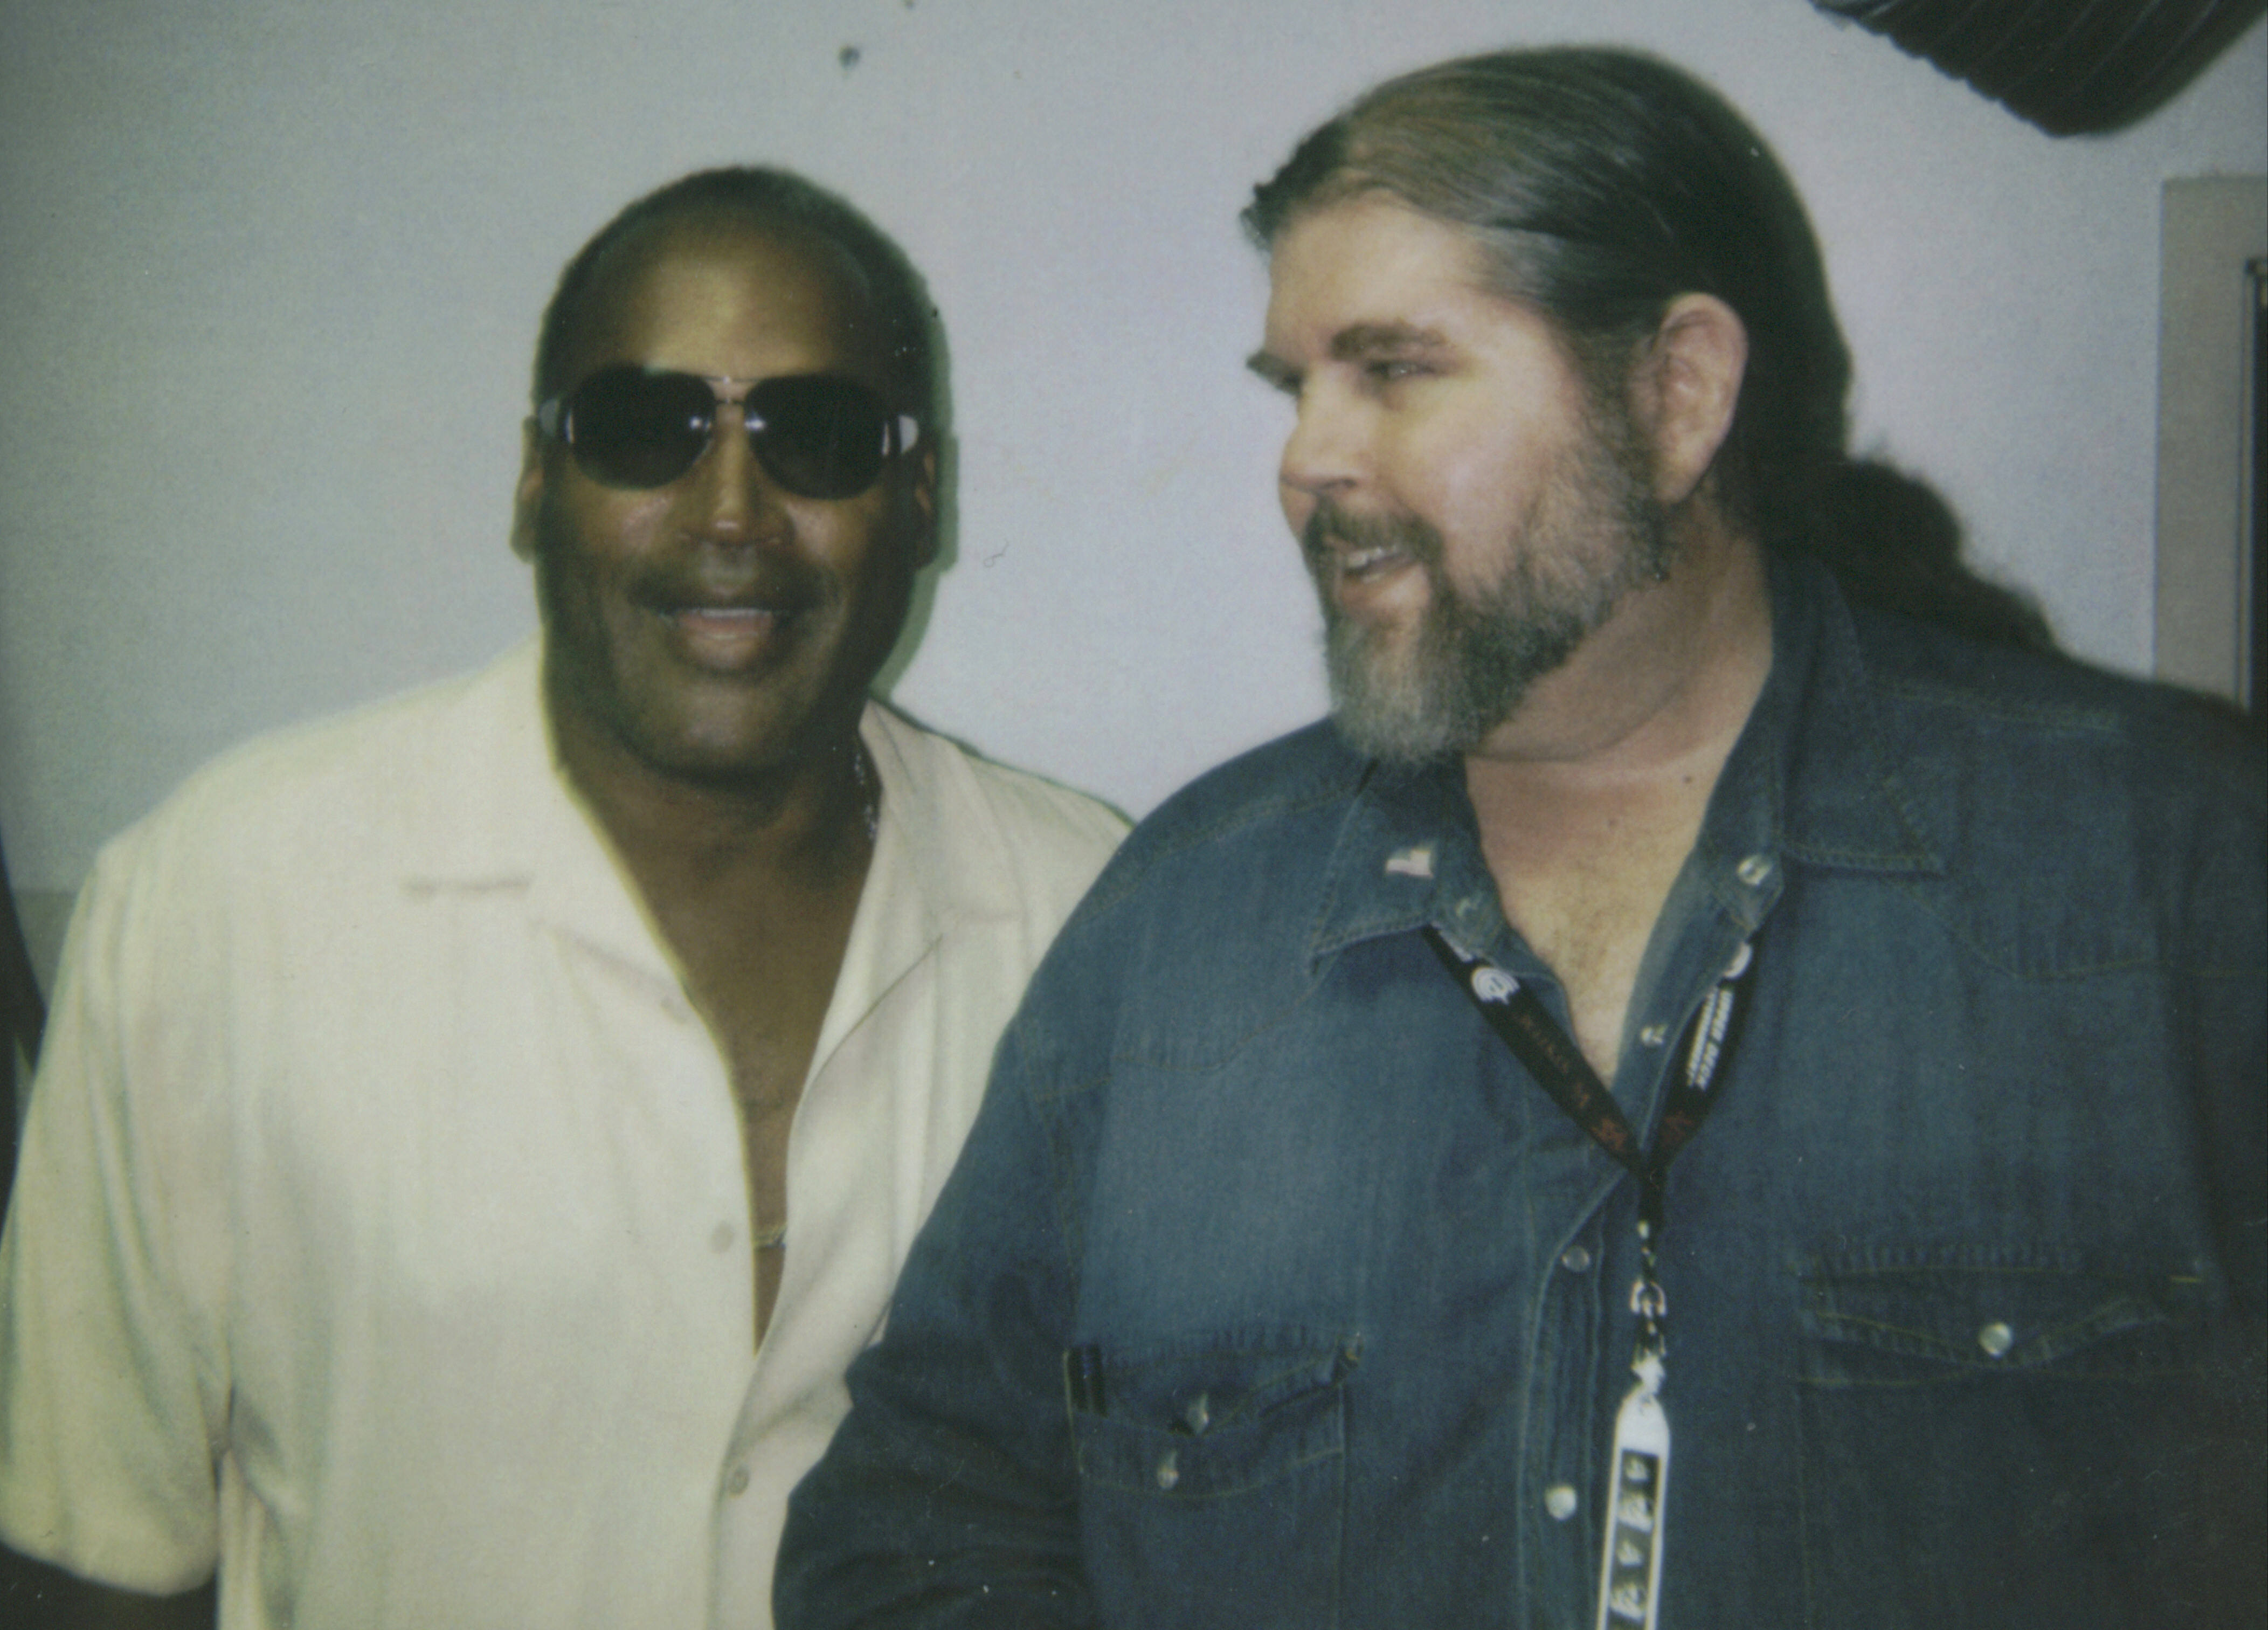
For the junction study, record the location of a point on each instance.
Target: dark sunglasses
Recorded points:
(818, 435)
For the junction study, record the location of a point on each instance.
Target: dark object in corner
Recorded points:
(2072, 67)
(21, 1017)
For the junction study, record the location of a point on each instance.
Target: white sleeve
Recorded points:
(113, 1381)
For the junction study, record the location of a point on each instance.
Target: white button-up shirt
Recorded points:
(382, 1232)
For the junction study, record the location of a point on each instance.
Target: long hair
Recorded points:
(1600, 185)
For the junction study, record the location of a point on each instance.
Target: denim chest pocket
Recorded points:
(1995, 1432)
(1212, 1477)
(1920, 1318)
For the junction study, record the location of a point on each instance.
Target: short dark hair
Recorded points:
(771, 198)
(1600, 185)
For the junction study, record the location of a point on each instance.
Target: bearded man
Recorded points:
(1697, 1099)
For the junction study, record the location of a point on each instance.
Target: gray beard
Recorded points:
(1593, 535)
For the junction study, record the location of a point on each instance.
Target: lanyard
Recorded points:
(1630, 1574)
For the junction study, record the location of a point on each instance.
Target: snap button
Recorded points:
(736, 1484)
(720, 1237)
(1996, 1338)
(1169, 1472)
(1653, 1036)
(1753, 870)
(1575, 1260)
(1560, 1501)
(1198, 1415)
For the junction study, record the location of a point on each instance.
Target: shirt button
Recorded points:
(1754, 870)
(720, 1237)
(1575, 1260)
(1996, 1338)
(736, 1484)
(1169, 1472)
(1560, 1501)
(1653, 1035)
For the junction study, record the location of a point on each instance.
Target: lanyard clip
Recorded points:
(1650, 1303)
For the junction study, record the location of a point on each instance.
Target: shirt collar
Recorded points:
(1408, 854)
(515, 824)
(1815, 753)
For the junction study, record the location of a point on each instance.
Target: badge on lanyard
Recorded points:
(1630, 1574)
(1630, 1570)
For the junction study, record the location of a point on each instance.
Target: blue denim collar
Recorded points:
(1818, 739)
(1408, 854)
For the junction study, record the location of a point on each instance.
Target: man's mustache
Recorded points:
(1330, 527)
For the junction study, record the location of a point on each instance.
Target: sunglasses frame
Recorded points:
(554, 417)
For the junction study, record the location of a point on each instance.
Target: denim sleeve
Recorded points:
(2223, 1521)
(2224, 965)
(948, 1496)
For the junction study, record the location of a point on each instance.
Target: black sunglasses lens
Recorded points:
(634, 429)
(819, 435)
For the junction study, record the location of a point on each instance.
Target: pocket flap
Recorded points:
(1983, 1308)
(1215, 1415)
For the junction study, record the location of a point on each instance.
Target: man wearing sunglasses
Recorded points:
(473, 1137)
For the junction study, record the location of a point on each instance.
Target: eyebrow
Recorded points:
(1365, 340)
(1359, 343)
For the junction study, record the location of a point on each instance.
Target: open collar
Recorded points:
(496, 815)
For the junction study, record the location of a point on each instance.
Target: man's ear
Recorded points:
(923, 498)
(528, 492)
(1686, 388)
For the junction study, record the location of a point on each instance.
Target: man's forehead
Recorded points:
(709, 273)
(1371, 276)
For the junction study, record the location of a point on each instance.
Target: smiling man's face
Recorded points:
(718, 628)
(1469, 512)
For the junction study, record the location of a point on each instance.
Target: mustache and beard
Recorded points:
(1408, 695)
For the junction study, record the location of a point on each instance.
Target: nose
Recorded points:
(1327, 453)
(731, 497)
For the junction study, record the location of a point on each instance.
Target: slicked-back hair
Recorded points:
(773, 199)
(1599, 185)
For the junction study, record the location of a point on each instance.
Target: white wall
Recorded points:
(271, 270)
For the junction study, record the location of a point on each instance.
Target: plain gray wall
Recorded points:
(272, 269)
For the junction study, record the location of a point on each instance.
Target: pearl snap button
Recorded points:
(1753, 870)
(1996, 1338)
(1169, 1472)
(720, 1237)
(1575, 1260)
(736, 1484)
(1560, 1501)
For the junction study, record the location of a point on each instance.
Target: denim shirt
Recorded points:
(1964, 1271)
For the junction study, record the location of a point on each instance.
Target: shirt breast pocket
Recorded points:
(1212, 1477)
(1999, 1431)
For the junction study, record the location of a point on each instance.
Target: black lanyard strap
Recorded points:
(1629, 1576)
(1526, 1026)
